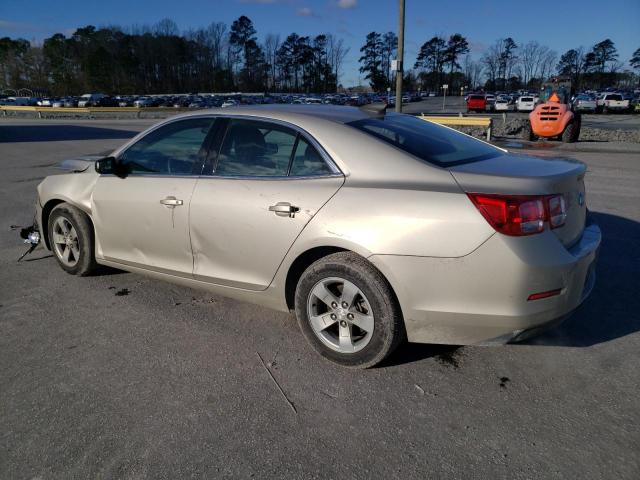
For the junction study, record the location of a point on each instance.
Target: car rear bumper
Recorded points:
(481, 298)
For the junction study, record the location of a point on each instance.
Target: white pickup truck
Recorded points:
(611, 102)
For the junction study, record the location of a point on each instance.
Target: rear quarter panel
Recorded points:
(388, 221)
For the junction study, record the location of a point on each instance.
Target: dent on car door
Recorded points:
(143, 219)
(268, 182)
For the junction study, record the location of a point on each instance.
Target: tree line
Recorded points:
(158, 59)
(505, 65)
(222, 58)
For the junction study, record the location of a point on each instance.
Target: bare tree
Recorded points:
(491, 61)
(271, 47)
(548, 63)
(472, 72)
(166, 28)
(216, 40)
(336, 52)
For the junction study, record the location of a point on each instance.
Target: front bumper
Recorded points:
(481, 298)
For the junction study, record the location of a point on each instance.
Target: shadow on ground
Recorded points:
(57, 133)
(612, 311)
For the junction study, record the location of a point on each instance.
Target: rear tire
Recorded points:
(527, 133)
(72, 240)
(347, 311)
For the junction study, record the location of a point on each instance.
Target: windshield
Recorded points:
(429, 142)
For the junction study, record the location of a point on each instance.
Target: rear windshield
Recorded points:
(615, 98)
(476, 97)
(526, 99)
(429, 142)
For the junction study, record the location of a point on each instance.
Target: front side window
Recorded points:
(173, 149)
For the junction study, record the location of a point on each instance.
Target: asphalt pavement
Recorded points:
(120, 376)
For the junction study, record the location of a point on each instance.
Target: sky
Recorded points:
(561, 25)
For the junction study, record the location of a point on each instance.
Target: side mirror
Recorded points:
(105, 165)
(111, 165)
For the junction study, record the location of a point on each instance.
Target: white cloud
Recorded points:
(347, 3)
(305, 12)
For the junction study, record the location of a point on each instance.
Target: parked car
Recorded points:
(525, 104)
(476, 103)
(611, 102)
(400, 247)
(491, 101)
(583, 103)
(90, 100)
(22, 101)
(142, 102)
(501, 105)
(70, 102)
(124, 101)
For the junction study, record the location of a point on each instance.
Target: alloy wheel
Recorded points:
(340, 315)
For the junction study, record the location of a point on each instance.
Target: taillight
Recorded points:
(557, 210)
(519, 215)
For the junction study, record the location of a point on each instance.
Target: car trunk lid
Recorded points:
(511, 174)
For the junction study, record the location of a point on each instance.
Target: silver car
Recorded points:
(372, 227)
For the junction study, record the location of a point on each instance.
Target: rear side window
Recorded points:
(307, 161)
(429, 142)
(173, 149)
(252, 148)
(263, 149)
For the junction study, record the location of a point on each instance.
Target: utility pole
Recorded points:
(400, 67)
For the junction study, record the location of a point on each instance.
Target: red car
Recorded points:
(476, 103)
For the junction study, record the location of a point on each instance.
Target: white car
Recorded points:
(491, 101)
(501, 105)
(229, 103)
(90, 99)
(525, 104)
(611, 102)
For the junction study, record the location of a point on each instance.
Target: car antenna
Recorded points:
(377, 109)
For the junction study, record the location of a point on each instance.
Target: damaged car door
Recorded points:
(142, 219)
(262, 184)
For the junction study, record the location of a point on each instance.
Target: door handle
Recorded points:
(171, 202)
(284, 209)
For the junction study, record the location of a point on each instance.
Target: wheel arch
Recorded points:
(308, 257)
(47, 208)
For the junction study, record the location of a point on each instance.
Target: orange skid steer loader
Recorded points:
(552, 118)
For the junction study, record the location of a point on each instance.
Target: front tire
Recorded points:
(347, 311)
(572, 130)
(72, 240)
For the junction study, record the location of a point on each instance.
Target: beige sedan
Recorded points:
(373, 227)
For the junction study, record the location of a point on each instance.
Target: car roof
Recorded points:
(293, 113)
